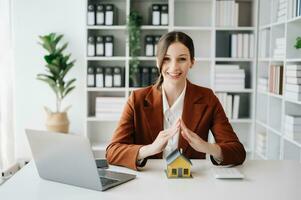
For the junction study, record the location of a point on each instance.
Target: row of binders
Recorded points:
(144, 76)
(242, 45)
(100, 46)
(230, 104)
(159, 13)
(109, 108)
(105, 77)
(101, 14)
(229, 77)
(151, 42)
(227, 13)
(293, 82)
(293, 126)
(276, 79)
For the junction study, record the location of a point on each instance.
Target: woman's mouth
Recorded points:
(174, 75)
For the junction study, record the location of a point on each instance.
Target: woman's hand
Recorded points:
(160, 142)
(199, 144)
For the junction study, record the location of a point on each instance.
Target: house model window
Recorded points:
(178, 166)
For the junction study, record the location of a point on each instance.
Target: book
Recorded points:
(293, 95)
(226, 66)
(293, 73)
(293, 67)
(236, 106)
(229, 106)
(246, 47)
(292, 80)
(293, 119)
(293, 88)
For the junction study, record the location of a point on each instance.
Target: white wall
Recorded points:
(30, 19)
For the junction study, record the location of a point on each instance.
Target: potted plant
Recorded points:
(57, 67)
(298, 43)
(134, 32)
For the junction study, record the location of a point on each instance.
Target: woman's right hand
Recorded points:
(160, 142)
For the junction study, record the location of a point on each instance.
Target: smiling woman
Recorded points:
(6, 88)
(173, 114)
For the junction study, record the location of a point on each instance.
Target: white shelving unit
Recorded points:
(272, 108)
(199, 23)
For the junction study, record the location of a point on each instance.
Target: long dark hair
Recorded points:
(165, 41)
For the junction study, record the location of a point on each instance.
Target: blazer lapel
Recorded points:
(192, 112)
(154, 112)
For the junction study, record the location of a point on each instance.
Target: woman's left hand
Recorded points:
(193, 139)
(198, 144)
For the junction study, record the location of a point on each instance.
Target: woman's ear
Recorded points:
(192, 62)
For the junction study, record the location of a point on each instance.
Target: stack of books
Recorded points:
(281, 11)
(242, 45)
(227, 13)
(229, 77)
(264, 43)
(293, 82)
(261, 143)
(276, 79)
(263, 83)
(293, 127)
(109, 108)
(230, 104)
(279, 49)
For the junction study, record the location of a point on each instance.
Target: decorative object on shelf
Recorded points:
(100, 14)
(91, 14)
(58, 65)
(91, 46)
(110, 12)
(298, 43)
(109, 45)
(91, 77)
(134, 32)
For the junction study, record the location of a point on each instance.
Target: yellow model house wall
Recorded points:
(179, 163)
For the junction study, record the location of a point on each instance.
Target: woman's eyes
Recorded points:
(179, 59)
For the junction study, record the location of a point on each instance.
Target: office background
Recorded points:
(259, 118)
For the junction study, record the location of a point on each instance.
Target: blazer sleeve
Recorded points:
(122, 150)
(233, 151)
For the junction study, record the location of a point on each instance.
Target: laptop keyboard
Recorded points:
(107, 181)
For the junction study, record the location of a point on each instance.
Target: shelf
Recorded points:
(267, 26)
(203, 59)
(269, 128)
(150, 27)
(94, 89)
(103, 58)
(236, 91)
(293, 60)
(193, 28)
(94, 119)
(292, 101)
(275, 95)
(292, 141)
(240, 120)
(278, 23)
(264, 59)
(277, 59)
(238, 28)
(295, 19)
(146, 58)
(234, 59)
(117, 27)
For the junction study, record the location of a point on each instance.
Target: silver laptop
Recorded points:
(68, 159)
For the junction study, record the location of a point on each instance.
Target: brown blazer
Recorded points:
(142, 120)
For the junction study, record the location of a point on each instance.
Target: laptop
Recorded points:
(68, 159)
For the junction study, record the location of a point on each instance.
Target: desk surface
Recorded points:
(263, 180)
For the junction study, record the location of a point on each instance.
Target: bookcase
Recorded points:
(211, 24)
(276, 108)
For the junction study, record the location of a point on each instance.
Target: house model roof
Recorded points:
(174, 155)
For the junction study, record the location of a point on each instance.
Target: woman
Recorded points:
(173, 113)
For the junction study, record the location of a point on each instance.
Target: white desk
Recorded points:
(263, 180)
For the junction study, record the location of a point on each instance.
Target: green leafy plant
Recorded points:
(134, 32)
(57, 67)
(298, 43)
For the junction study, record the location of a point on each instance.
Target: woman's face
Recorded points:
(176, 63)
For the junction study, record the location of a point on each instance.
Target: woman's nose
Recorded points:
(174, 65)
